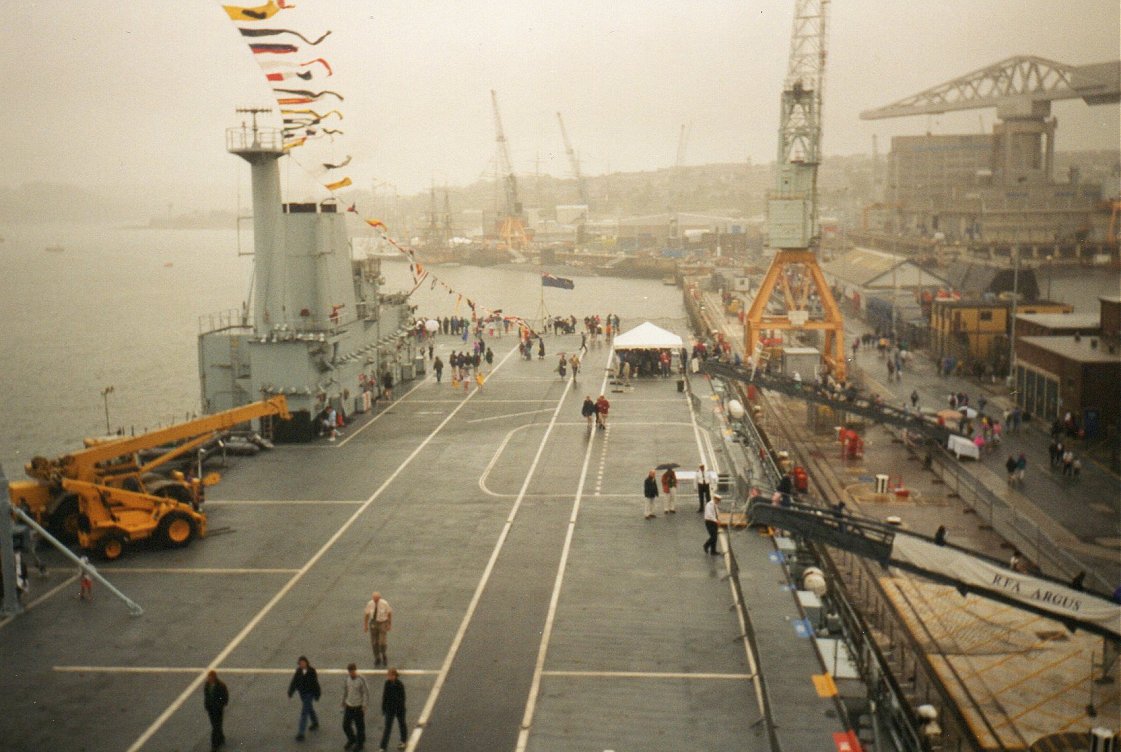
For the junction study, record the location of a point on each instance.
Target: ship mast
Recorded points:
(262, 148)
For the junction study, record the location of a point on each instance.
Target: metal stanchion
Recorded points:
(12, 606)
(133, 607)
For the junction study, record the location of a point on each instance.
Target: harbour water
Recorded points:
(120, 307)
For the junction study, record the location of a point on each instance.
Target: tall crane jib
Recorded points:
(792, 208)
(574, 162)
(511, 226)
(505, 169)
(794, 278)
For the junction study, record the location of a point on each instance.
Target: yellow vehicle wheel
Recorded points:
(63, 521)
(176, 529)
(111, 547)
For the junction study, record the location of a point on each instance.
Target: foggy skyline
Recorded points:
(138, 97)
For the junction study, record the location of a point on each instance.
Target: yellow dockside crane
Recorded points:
(106, 495)
(794, 294)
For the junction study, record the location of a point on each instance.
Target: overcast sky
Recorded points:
(139, 93)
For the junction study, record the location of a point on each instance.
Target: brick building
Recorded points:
(1079, 373)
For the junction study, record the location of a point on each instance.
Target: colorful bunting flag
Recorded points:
(259, 13)
(278, 62)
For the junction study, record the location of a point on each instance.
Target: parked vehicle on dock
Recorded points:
(110, 492)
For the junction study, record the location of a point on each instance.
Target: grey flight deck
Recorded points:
(457, 508)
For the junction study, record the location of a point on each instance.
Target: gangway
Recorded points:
(966, 571)
(848, 401)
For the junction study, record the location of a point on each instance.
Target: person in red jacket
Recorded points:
(602, 406)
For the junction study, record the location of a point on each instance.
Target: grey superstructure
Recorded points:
(320, 332)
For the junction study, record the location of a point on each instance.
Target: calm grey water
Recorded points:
(111, 311)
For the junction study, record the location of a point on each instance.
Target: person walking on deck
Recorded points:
(1021, 467)
(215, 698)
(712, 524)
(393, 708)
(914, 398)
(438, 367)
(305, 682)
(588, 410)
(1010, 466)
(669, 490)
(704, 494)
(356, 696)
(649, 493)
(602, 406)
(377, 621)
(387, 385)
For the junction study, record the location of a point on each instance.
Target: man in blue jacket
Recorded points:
(306, 682)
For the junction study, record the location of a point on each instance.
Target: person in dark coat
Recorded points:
(650, 492)
(305, 682)
(786, 487)
(588, 410)
(215, 698)
(393, 707)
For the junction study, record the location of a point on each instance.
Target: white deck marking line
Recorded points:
(374, 419)
(510, 415)
(485, 475)
(65, 583)
(279, 502)
(512, 401)
(252, 624)
(497, 495)
(494, 460)
(225, 670)
(434, 693)
(554, 598)
(624, 423)
(617, 422)
(645, 675)
(193, 570)
(751, 662)
(632, 400)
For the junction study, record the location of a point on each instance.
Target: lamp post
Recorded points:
(1012, 323)
(1050, 271)
(105, 398)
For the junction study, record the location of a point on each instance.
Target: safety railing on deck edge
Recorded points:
(872, 664)
(1006, 521)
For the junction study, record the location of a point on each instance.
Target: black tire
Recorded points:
(64, 519)
(176, 529)
(111, 546)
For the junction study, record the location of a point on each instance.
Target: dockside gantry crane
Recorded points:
(1021, 89)
(803, 299)
(511, 225)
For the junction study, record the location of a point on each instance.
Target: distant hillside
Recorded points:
(57, 202)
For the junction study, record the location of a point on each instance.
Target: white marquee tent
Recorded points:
(646, 336)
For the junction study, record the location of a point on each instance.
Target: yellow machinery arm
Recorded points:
(85, 464)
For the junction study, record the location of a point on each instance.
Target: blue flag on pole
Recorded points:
(548, 280)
